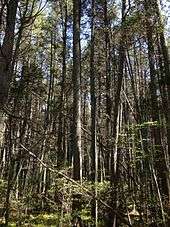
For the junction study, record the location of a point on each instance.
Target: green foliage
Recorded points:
(39, 220)
(45, 219)
(149, 124)
(61, 193)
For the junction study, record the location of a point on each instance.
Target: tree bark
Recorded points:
(94, 152)
(77, 171)
(61, 152)
(76, 125)
(159, 152)
(6, 51)
(115, 156)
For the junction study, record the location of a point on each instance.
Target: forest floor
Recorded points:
(39, 220)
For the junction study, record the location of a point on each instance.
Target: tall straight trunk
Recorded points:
(6, 51)
(166, 62)
(167, 75)
(93, 97)
(108, 83)
(161, 167)
(76, 124)
(77, 167)
(165, 93)
(166, 83)
(60, 141)
(11, 170)
(115, 156)
(50, 88)
(94, 153)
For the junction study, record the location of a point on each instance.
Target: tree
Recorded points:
(76, 82)
(6, 51)
(86, 129)
(94, 152)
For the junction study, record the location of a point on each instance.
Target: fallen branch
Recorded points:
(119, 214)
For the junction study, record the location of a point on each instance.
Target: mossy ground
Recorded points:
(40, 220)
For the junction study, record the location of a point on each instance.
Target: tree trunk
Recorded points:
(115, 156)
(159, 152)
(76, 126)
(60, 141)
(94, 152)
(77, 172)
(6, 51)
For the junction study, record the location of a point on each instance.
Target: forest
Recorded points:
(85, 113)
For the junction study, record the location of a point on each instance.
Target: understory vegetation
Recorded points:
(84, 113)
